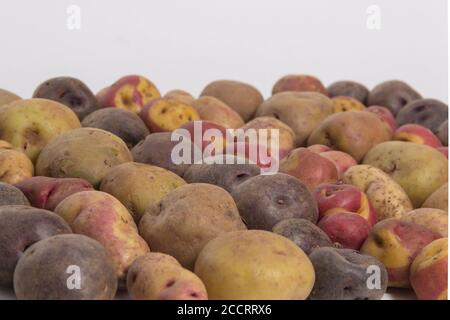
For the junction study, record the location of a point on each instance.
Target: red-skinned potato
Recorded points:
(417, 134)
(214, 110)
(298, 82)
(202, 127)
(443, 150)
(385, 115)
(433, 219)
(318, 148)
(341, 160)
(344, 103)
(131, 92)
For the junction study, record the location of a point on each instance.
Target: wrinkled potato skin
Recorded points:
(435, 220)
(183, 221)
(418, 169)
(158, 276)
(240, 266)
(41, 273)
(386, 196)
(15, 166)
(350, 89)
(438, 199)
(10, 195)
(214, 110)
(7, 97)
(85, 153)
(139, 185)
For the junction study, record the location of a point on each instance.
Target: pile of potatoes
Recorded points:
(91, 202)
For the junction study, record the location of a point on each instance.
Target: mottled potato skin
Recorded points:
(21, 226)
(180, 95)
(29, 125)
(240, 266)
(305, 234)
(438, 199)
(15, 166)
(265, 200)
(429, 113)
(10, 195)
(85, 153)
(386, 196)
(298, 82)
(158, 276)
(214, 110)
(102, 217)
(70, 92)
(7, 97)
(43, 271)
(350, 89)
(183, 221)
(302, 111)
(343, 274)
(352, 132)
(139, 185)
(418, 169)
(442, 133)
(241, 97)
(435, 220)
(392, 94)
(123, 123)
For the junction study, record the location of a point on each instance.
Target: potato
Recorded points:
(29, 125)
(139, 185)
(352, 132)
(435, 220)
(344, 274)
(386, 196)
(184, 220)
(302, 111)
(418, 169)
(123, 123)
(7, 97)
(298, 82)
(254, 265)
(429, 113)
(158, 276)
(241, 97)
(393, 94)
(350, 89)
(344, 103)
(84, 153)
(442, 132)
(21, 226)
(227, 176)
(438, 199)
(65, 267)
(180, 95)
(214, 110)
(305, 234)
(10, 195)
(70, 92)
(5, 145)
(15, 166)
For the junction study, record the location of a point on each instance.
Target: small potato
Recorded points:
(254, 265)
(350, 89)
(123, 123)
(10, 195)
(162, 115)
(85, 153)
(21, 226)
(181, 96)
(7, 97)
(45, 269)
(241, 97)
(344, 274)
(139, 185)
(438, 199)
(442, 133)
(265, 200)
(386, 196)
(15, 166)
(344, 103)
(214, 110)
(429, 113)
(158, 276)
(305, 234)
(298, 82)
(184, 220)
(435, 220)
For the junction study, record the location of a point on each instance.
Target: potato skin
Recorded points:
(180, 95)
(429, 113)
(7, 97)
(158, 276)
(123, 123)
(21, 226)
(15, 166)
(299, 83)
(305, 234)
(438, 199)
(214, 110)
(435, 220)
(350, 89)
(10, 195)
(42, 272)
(343, 274)
(265, 200)
(184, 220)
(240, 266)
(386, 196)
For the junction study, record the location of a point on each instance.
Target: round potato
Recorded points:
(15, 166)
(180, 95)
(438, 199)
(214, 110)
(429, 113)
(350, 89)
(299, 83)
(7, 97)
(435, 220)
(10, 195)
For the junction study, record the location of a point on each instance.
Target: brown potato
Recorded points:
(181, 96)
(350, 89)
(298, 82)
(214, 110)
(10, 195)
(14, 166)
(7, 97)
(429, 113)
(442, 133)
(438, 199)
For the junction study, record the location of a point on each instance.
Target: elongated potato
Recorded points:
(385, 195)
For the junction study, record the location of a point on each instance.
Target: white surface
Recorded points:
(186, 44)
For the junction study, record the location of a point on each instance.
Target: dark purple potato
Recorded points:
(70, 92)
(442, 133)
(349, 89)
(429, 113)
(393, 94)
(10, 195)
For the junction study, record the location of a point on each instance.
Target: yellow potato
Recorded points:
(14, 166)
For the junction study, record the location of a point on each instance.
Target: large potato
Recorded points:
(298, 82)
(254, 265)
(435, 220)
(29, 125)
(184, 220)
(85, 153)
(15, 166)
(139, 185)
(7, 97)
(429, 113)
(418, 169)
(438, 199)
(386, 196)
(352, 132)
(214, 110)
(302, 111)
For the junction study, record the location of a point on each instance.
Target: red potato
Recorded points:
(385, 115)
(318, 148)
(417, 134)
(204, 133)
(300, 82)
(341, 160)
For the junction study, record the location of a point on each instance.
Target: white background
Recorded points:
(186, 44)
